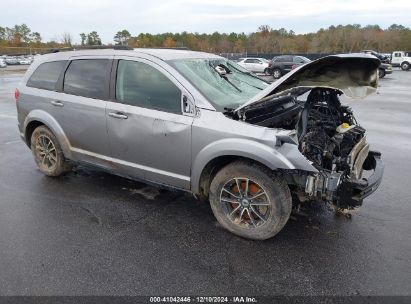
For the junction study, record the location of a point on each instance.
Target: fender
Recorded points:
(286, 156)
(45, 118)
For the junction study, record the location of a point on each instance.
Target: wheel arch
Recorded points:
(28, 131)
(37, 118)
(218, 154)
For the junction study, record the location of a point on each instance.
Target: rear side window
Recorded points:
(86, 77)
(139, 84)
(284, 59)
(252, 61)
(46, 75)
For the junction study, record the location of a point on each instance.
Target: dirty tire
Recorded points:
(405, 66)
(47, 152)
(381, 73)
(277, 193)
(277, 73)
(267, 72)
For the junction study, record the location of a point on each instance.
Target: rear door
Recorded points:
(80, 107)
(258, 66)
(148, 127)
(41, 89)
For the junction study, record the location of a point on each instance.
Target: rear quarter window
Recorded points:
(46, 75)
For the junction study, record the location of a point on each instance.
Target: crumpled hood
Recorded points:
(355, 75)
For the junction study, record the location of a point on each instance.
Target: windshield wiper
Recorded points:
(222, 74)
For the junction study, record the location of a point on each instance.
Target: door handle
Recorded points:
(118, 115)
(57, 103)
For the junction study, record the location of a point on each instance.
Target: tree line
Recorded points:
(334, 39)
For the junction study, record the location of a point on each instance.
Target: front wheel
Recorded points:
(405, 66)
(250, 201)
(381, 73)
(47, 152)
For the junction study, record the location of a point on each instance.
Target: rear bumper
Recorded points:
(351, 193)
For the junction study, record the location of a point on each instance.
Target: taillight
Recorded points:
(270, 63)
(16, 95)
(293, 66)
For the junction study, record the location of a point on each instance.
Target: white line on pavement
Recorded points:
(8, 116)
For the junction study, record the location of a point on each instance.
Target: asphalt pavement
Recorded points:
(92, 233)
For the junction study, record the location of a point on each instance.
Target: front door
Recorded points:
(396, 58)
(149, 135)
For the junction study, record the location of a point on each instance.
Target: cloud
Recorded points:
(52, 18)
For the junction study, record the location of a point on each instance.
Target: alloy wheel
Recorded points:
(46, 152)
(245, 203)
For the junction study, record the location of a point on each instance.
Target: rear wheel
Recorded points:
(277, 73)
(47, 152)
(250, 201)
(405, 66)
(267, 72)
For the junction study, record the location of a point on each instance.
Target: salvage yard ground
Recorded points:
(91, 233)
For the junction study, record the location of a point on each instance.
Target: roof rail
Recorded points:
(100, 47)
(122, 47)
(171, 48)
(105, 47)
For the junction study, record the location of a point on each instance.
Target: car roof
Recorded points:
(162, 54)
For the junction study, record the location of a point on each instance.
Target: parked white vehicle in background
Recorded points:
(401, 59)
(11, 60)
(256, 65)
(3, 63)
(25, 61)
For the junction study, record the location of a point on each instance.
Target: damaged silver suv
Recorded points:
(201, 123)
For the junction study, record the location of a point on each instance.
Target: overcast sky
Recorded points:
(53, 17)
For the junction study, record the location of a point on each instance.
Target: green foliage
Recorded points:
(335, 39)
(83, 38)
(88, 39)
(122, 37)
(35, 37)
(93, 38)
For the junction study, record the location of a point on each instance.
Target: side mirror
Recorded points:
(188, 106)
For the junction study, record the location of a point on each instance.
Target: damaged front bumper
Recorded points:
(351, 193)
(347, 193)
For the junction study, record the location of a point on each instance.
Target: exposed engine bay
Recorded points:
(328, 131)
(328, 136)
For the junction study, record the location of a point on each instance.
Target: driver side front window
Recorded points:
(139, 84)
